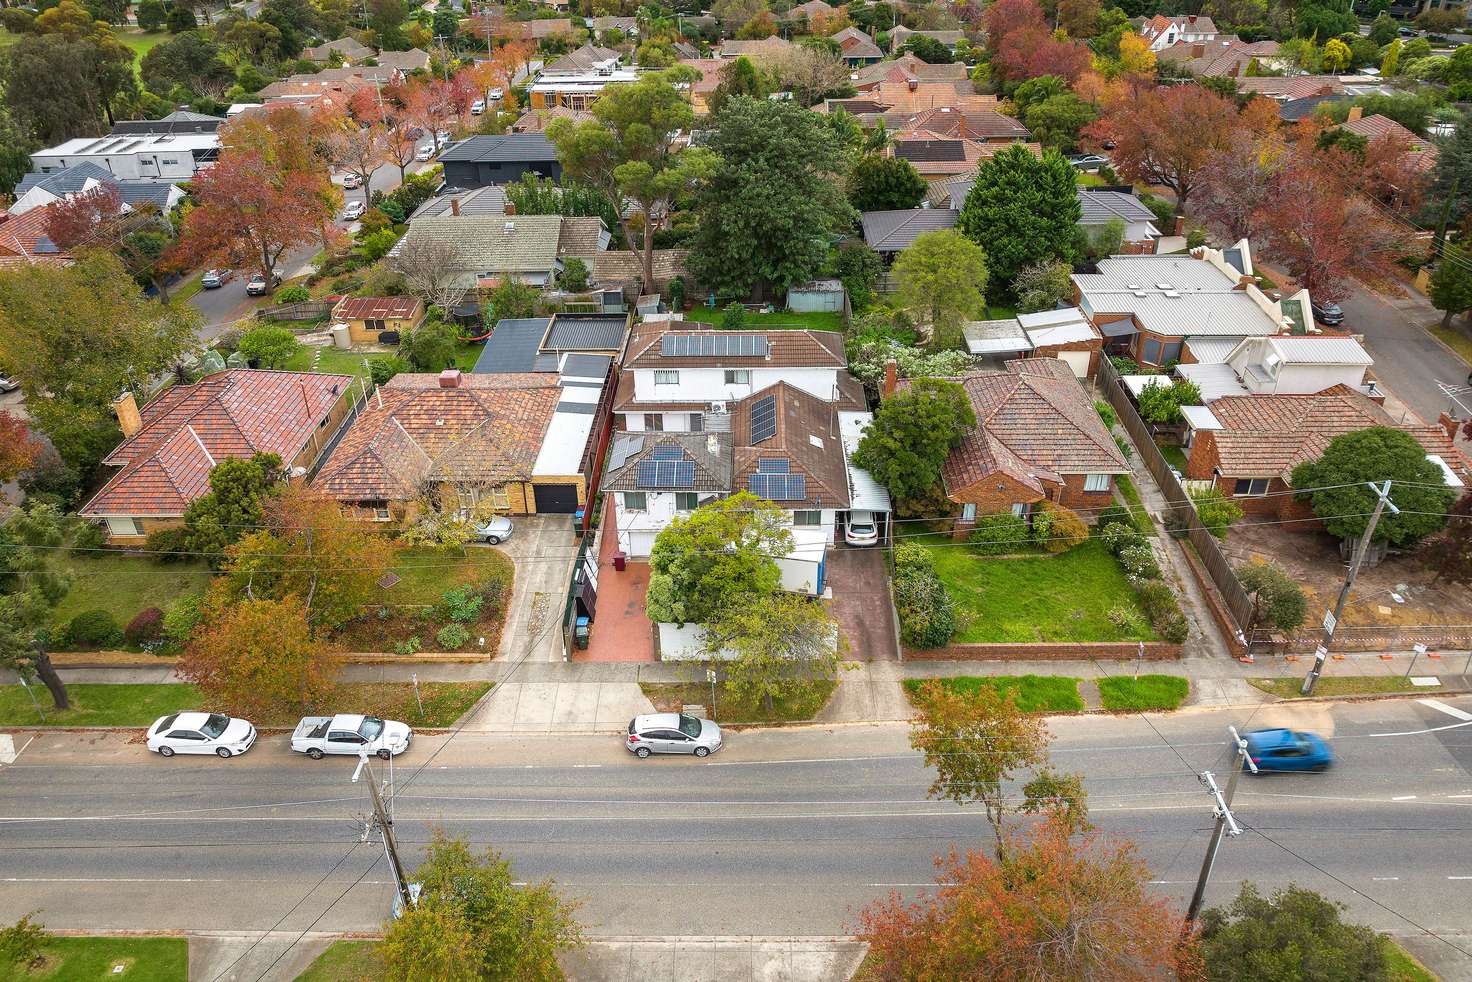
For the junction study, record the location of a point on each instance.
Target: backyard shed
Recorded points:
(818, 295)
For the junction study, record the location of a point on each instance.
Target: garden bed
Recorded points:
(1148, 692)
(1034, 693)
(669, 697)
(143, 960)
(815, 320)
(1341, 685)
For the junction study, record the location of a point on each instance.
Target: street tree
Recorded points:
(783, 646)
(18, 448)
(1164, 135)
(628, 152)
(913, 432)
(720, 557)
(1335, 486)
(1059, 797)
(1295, 934)
(770, 205)
(1058, 907)
(1277, 599)
(473, 921)
(1451, 283)
(74, 337)
(30, 588)
(1449, 553)
(1451, 177)
(1022, 210)
(258, 658)
(879, 183)
(942, 277)
(239, 487)
(1238, 183)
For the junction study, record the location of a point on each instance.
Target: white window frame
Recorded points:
(116, 526)
(738, 376)
(1267, 482)
(1019, 509)
(631, 496)
(1096, 482)
(810, 517)
(968, 512)
(666, 376)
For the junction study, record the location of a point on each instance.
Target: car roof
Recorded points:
(657, 721)
(1271, 737)
(190, 721)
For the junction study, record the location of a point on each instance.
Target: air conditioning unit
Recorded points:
(718, 407)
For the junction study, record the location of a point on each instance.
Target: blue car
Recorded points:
(1288, 750)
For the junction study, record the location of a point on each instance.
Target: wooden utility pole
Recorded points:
(385, 824)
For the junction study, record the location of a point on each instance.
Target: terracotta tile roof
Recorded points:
(803, 348)
(1286, 87)
(903, 97)
(807, 437)
(1269, 435)
(375, 308)
(907, 67)
(190, 428)
(488, 429)
(23, 238)
(856, 44)
(581, 237)
(1035, 423)
(966, 121)
(1378, 127)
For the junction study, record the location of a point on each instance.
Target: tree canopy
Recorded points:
(720, 557)
(942, 277)
(1294, 935)
(30, 588)
(239, 488)
(913, 432)
(879, 183)
(1022, 210)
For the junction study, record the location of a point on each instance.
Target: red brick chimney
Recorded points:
(891, 377)
(450, 378)
(455, 207)
(1451, 426)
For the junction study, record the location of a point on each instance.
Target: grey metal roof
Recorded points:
(179, 122)
(494, 243)
(513, 347)
(1210, 351)
(891, 231)
(69, 180)
(1321, 351)
(1100, 207)
(585, 367)
(574, 332)
(995, 336)
(510, 148)
(1219, 314)
(135, 193)
(1296, 109)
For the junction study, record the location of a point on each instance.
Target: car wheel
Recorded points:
(1319, 768)
(702, 751)
(494, 540)
(315, 753)
(385, 754)
(166, 751)
(223, 751)
(642, 753)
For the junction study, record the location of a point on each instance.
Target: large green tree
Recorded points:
(1451, 284)
(627, 152)
(1451, 179)
(784, 647)
(722, 556)
(1336, 486)
(1022, 210)
(913, 432)
(879, 183)
(239, 488)
(56, 87)
(1296, 935)
(30, 588)
(74, 337)
(942, 278)
(772, 206)
(186, 59)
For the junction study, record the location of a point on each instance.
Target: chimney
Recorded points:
(913, 84)
(450, 378)
(1355, 112)
(126, 408)
(455, 206)
(891, 378)
(510, 208)
(1451, 426)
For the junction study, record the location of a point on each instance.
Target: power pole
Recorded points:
(1225, 823)
(1331, 620)
(385, 824)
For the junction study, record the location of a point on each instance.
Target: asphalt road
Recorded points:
(1407, 358)
(784, 832)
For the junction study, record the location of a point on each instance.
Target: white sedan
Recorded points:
(200, 733)
(425, 152)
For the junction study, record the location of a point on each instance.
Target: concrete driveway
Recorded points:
(543, 549)
(860, 584)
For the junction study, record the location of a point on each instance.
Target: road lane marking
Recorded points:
(1442, 707)
(1459, 877)
(1430, 729)
(1381, 879)
(1404, 797)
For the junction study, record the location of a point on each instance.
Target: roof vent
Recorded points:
(511, 226)
(1172, 293)
(816, 441)
(1139, 293)
(1132, 286)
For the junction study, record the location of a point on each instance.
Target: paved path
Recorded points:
(250, 956)
(544, 549)
(718, 959)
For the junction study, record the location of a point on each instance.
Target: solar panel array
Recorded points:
(778, 487)
(764, 419)
(698, 345)
(623, 449)
(666, 474)
(668, 451)
(773, 465)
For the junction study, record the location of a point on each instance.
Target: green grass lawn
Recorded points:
(1131, 495)
(1145, 692)
(1048, 598)
(124, 585)
(670, 696)
(85, 959)
(345, 961)
(1034, 693)
(1455, 338)
(1174, 455)
(97, 705)
(817, 320)
(1341, 685)
(427, 572)
(335, 361)
(1087, 180)
(424, 576)
(1000, 313)
(1403, 965)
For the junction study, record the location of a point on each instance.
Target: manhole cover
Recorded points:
(388, 579)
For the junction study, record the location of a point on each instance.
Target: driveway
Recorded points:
(543, 549)
(860, 585)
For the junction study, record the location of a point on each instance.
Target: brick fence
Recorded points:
(1047, 651)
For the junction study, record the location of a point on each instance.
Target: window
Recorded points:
(1251, 486)
(635, 501)
(1019, 509)
(807, 517)
(124, 526)
(666, 377)
(686, 501)
(968, 512)
(500, 499)
(697, 422)
(377, 510)
(1170, 352)
(738, 376)
(654, 422)
(1096, 482)
(1150, 350)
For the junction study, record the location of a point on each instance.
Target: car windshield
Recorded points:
(862, 529)
(372, 726)
(689, 725)
(215, 725)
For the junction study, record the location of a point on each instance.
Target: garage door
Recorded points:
(555, 499)
(1078, 361)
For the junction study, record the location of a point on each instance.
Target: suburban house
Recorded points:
(24, 239)
(527, 248)
(588, 58)
(905, 69)
(171, 445)
(489, 200)
(901, 34)
(540, 344)
(403, 63)
(1064, 334)
(891, 232)
(1287, 88)
(980, 123)
(807, 11)
(856, 48)
(1149, 306)
(522, 441)
(37, 189)
(1102, 206)
(166, 149)
(1421, 154)
(369, 318)
(1247, 446)
(481, 160)
(531, 30)
(536, 120)
(348, 49)
(1225, 56)
(1037, 439)
(1279, 365)
(710, 77)
(773, 47)
(628, 25)
(576, 90)
(1162, 31)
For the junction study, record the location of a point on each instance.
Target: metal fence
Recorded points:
(1182, 511)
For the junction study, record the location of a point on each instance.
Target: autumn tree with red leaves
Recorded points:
(1165, 135)
(140, 237)
(1022, 46)
(76, 221)
(1058, 907)
(18, 449)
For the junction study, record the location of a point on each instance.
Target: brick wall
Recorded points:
(1074, 496)
(1094, 347)
(1046, 651)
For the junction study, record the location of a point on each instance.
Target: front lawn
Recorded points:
(1067, 597)
(1148, 692)
(1403, 965)
(444, 702)
(84, 959)
(669, 697)
(1342, 685)
(345, 961)
(1455, 338)
(816, 320)
(123, 585)
(1034, 693)
(409, 616)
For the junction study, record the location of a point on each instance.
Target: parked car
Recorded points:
(477, 107)
(672, 733)
(1087, 161)
(353, 211)
(494, 530)
(1328, 314)
(258, 287)
(351, 181)
(8, 384)
(496, 95)
(442, 137)
(200, 733)
(214, 279)
(1288, 750)
(425, 152)
(350, 733)
(862, 529)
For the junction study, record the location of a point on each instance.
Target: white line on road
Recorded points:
(1433, 729)
(1404, 797)
(1442, 707)
(1459, 877)
(1380, 879)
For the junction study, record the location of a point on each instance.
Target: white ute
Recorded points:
(349, 733)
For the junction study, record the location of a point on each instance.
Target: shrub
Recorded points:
(462, 604)
(93, 629)
(733, 318)
(492, 594)
(169, 545)
(1118, 537)
(1215, 510)
(996, 535)
(452, 636)
(1115, 515)
(89, 538)
(926, 610)
(1106, 413)
(1065, 529)
(1042, 526)
(1164, 612)
(181, 619)
(410, 646)
(146, 627)
(21, 943)
(380, 370)
(1139, 562)
(268, 346)
(677, 293)
(295, 293)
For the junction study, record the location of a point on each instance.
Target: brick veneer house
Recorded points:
(1259, 439)
(170, 447)
(1037, 438)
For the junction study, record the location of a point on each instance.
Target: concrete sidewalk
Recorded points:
(718, 959)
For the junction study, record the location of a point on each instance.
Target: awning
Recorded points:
(865, 493)
(1118, 329)
(1201, 418)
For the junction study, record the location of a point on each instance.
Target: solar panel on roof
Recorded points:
(778, 487)
(623, 449)
(773, 465)
(709, 345)
(669, 451)
(666, 474)
(648, 474)
(764, 419)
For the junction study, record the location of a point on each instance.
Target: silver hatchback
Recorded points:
(672, 733)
